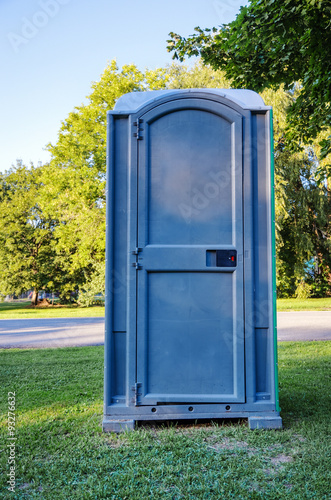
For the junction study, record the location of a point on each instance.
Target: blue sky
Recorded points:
(52, 50)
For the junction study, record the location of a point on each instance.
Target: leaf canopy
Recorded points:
(274, 42)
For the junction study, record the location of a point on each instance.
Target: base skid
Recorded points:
(117, 426)
(122, 423)
(265, 422)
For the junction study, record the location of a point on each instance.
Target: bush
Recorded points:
(94, 286)
(303, 290)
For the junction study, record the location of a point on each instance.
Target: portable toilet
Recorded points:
(190, 283)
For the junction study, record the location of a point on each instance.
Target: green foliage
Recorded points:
(303, 223)
(302, 202)
(319, 279)
(26, 234)
(81, 144)
(274, 42)
(93, 286)
(29, 243)
(53, 217)
(75, 177)
(303, 290)
(198, 76)
(53, 224)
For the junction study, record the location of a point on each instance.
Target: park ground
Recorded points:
(61, 452)
(24, 310)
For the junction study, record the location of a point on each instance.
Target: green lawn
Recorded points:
(23, 310)
(304, 305)
(61, 452)
(17, 310)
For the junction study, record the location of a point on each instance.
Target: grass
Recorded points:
(62, 452)
(23, 310)
(304, 304)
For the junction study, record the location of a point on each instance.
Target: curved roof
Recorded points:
(247, 99)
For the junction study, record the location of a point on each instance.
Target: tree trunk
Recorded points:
(34, 298)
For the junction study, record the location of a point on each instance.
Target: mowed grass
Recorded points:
(304, 304)
(63, 454)
(23, 310)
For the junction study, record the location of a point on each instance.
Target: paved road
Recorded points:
(64, 332)
(51, 332)
(304, 325)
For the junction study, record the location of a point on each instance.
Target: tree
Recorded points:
(26, 236)
(52, 231)
(301, 200)
(197, 76)
(274, 42)
(29, 246)
(75, 177)
(304, 244)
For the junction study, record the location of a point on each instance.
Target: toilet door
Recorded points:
(190, 315)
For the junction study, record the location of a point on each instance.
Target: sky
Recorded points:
(52, 50)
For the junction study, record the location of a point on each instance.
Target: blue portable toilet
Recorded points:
(190, 287)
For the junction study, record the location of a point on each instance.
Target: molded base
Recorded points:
(254, 422)
(118, 425)
(265, 422)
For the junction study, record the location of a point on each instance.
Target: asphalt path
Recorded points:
(51, 332)
(65, 332)
(304, 325)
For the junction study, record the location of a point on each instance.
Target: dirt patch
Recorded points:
(117, 444)
(43, 303)
(230, 445)
(281, 459)
(300, 438)
(278, 466)
(25, 485)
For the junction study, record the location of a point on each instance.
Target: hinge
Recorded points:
(136, 251)
(137, 265)
(139, 129)
(137, 393)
